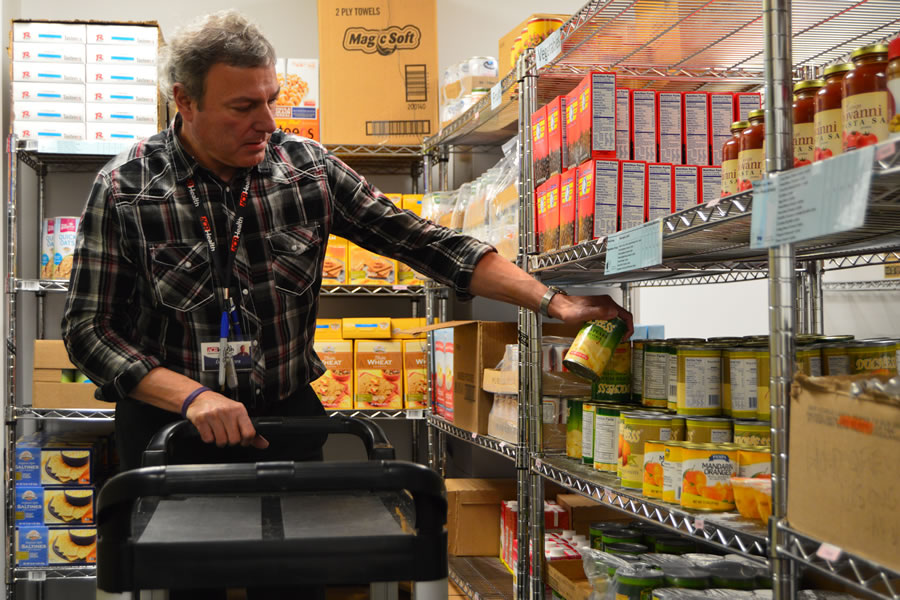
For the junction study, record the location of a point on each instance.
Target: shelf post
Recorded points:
(816, 306)
(426, 178)
(782, 276)
(11, 343)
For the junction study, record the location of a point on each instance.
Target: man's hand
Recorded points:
(579, 309)
(223, 421)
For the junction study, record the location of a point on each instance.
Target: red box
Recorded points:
(623, 123)
(669, 129)
(556, 517)
(696, 128)
(632, 193)
(556, 135)
(540, 215)
(597, 199)
(551, 215)
(567, 208)
(660, 190)
(744, 102)
(593, 134)
(572, 124)
(643, 125)
(710, 185)
(540, 146)
(721, 116)
(687, 186)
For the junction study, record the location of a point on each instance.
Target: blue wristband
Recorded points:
(190, 399)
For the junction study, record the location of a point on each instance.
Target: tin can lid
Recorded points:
(709, 419)
(757, 114)
(740, 125)
(870, 49)
(838, 68)
(809, 84)
(751, 422)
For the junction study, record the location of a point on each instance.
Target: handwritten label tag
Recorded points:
(548, 49)
(634, 248)
(496, 95)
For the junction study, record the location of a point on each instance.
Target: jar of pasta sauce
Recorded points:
(829, 119)
(804, 120)
(730, 151)
(893, 84)
(865, 102)
(752, 154)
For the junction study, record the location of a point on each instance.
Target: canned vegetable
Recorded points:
(836, 359)
(741, 384)
(672, 472)
(873, 357)
(614, 384)
(593, 347)
(656, 374)
(588, 412)
(756, 462)
(637, 370)
(674, 545)
(637, 582)
(699, 381)
(573, 427)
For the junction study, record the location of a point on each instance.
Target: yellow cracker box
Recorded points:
(72, 546)
(415, 377)
(368, 268)
(335, 387)
(413, 202)
(69, 506)
(398, 326)
(406, 276)
(66, 466)
(329, 329)
(379, 366)
(368, 327)
(334, 268)
(397, 199)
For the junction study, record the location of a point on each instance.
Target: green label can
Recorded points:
(573, 427)
(614, 385)
(593, 347)
(740, 389)
(752, 433)
(656, 374)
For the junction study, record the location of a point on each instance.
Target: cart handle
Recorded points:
(159, 450)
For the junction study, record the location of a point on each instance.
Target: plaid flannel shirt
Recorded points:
(143, 288)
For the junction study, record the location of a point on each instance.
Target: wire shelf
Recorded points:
(45, 573)
(495, 445)
(411, 414)
(79, 414)
(861, 575)
(728, 531)
(373, 290)
(877, 285)
(380, 160)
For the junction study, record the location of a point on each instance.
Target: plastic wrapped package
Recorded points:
(444, 203)
(599, 567)
(463, 198)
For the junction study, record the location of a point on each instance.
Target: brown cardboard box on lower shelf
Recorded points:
(584, 511)
(473, 515)
(843, 485)
(568, 579)
(48, 391)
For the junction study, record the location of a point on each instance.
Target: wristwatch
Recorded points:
(545, 301)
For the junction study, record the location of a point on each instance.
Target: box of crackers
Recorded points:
(334, 267)
(37, 505)
(335, 387)
(378, 374)
(368, 268)
(53, 464)
(39, 546)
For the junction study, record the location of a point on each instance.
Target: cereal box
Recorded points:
(710, 185)
(334, 267)
(598, 192)
(745, 102)
(643, 124)
(696, 128)
(47, 248)
(297, 108)
(551, 215)
(573, 156)
(399, 327)
(445, 379)
(669, 127)
(407, 276)
(556, 135)
(368, 268)
(540, 146)
(660, 198)
(335, 387)
(686, 187)
(623, 123)
(65, 230)
(567, 208)
(633, 193)
(596, 120)
(721, 116)
(378, 374)
(415, 376)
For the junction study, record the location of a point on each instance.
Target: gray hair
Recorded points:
(222, 37)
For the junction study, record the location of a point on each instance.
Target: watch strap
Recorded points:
(548, 297)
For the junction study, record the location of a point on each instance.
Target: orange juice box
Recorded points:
(413, 202)
(334, 269)
(329, 329)
(378, 375)
(368, 268)
(415, 376)
(366, 327)
(335, 387)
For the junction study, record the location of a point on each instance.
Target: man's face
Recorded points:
(230, 128)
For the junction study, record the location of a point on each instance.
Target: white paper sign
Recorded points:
(548, 49)
(820, 199)
(496, 95)
(634, 248)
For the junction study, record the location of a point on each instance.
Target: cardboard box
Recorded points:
(413, 202)
(540, 146)
(144, 35)
(378, 374)
(469, 348)
(335, 387)
(386, 45)
(623, 124)
(643, 125)
(568, 579)
(844, 439)
(696, 128)
(24, 91)
(68, 112)
(366, 328)
(368, 268)
(710, 184)
(121, 54)
(37, 505)
(660, 190)
(41, 52)
(54, 33)
(632, 193)
(473, 515)
(334, 267)
(119, 74)
(567, 208)
(602, 189)
(669, 127)
(721, 116)
(744, 102)
(415, 374)
(34, 130)
(584, 511)
(592, 134)
(44, 546)
(128, 94)
(329, 329)
(120, 112)
(556, 135)
(50, 72)
(441, 376)
(50, 359)
(687, 187)
(118, 132)
(400, 328)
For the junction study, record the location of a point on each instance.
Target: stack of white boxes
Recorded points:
(85, 81)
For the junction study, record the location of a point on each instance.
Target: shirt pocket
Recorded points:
(295, 258)
(182, 275)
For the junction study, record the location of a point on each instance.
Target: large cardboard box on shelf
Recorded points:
(474, 346)
(843, 486)
(584, 511)
(384, 45)
(568, 579)
(48, 391)
(473, 515)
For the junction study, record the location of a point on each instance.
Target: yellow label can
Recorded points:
(672, 472)
(706, 477)
(740, 389)
(679, 429)
(655, 379)
(873, 357)
(637, 429)
(654, 456)
(836, 359)
(752, 433)
(754, 462)
(699, 381)
(763, 368)
(708, 430)
(809, 360)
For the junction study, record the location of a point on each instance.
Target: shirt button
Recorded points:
(254, 343)
(227, 188)
(245, 291)
(188, 264)
(258, 391)
(295, 247)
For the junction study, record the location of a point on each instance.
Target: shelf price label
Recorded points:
(497, 95)
(635, 248)
(548, 49)
(820, 199)
(415, 414)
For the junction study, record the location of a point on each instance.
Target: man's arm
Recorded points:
(498, 279)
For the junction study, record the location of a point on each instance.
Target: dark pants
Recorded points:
(137, 423)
